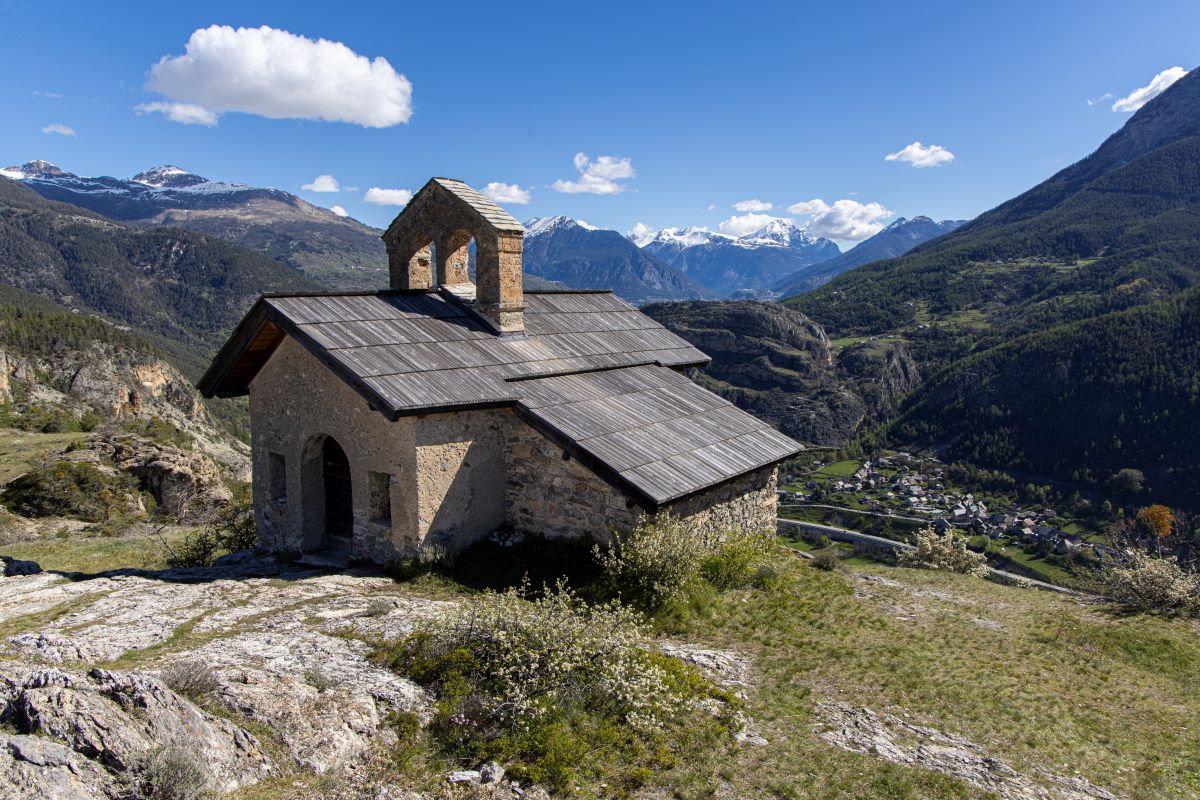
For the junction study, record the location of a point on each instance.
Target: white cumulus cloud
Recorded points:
(183, 113)
(323, 183)
(507, 193)
(597, 177)
(1158, 84)
(642, 234)
(341, 212)
(59, 128)
(277, 74)
(845, 220)
(752, 205)
(921, 156)
(387, 197)
(745, 223)
(1100, 99)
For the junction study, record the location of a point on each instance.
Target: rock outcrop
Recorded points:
(183, 483)
(281, 645)
(121, 384)
(779, 365)
(94, 728)
(861, 730)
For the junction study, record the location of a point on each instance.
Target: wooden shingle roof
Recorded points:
(594, 374)
(657, 431)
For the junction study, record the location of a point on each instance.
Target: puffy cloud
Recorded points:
(845, 220)
(746, 223)
(1100, 99)
(59, 128)
(642, 234)
(921, 156)
(752, 205)
(183, 113)
(341, 212)
(277, 74)
(1159, 84)
(323, 183)
(712, 206)
(597, 177)
(506, 193)
(387, 197)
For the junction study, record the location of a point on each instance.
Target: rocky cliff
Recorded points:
(780, 365)
(120, 384)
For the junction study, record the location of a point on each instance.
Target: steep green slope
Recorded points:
(1059, 330)
(186, 287)
(1138, 224)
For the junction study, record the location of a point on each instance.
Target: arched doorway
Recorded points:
(327, 496)
(339, 503)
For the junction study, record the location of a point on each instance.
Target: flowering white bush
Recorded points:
(653, 563)
(526, 658)
(1154, 584)
(945, 552)
(656, 562)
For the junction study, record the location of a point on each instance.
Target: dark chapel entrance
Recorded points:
(339, 505)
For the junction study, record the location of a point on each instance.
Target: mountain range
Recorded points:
(338, 251)
(895, 240)
(583, 256)
(729, 264)
(182, 288)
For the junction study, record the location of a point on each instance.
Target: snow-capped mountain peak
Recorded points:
(543, 225)
(32, 169)
(691, 236)
(168, 176)
(778, 233)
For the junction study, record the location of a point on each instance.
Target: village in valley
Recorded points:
(896, 493)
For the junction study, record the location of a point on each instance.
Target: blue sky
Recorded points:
(711, 104)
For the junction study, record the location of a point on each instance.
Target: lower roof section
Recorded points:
(653, 429)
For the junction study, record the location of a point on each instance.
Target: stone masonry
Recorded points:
(448, 478)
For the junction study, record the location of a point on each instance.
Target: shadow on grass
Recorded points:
(535, 561)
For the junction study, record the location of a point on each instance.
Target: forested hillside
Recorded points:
(187, 287)
(1059, 330)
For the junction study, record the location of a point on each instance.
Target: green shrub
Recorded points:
(826, 560)
(73, 489)
(234, 527)
(664, 559)
(742, 559)
(231, 528)
(198, 548)
(655, 562)
(555, 688)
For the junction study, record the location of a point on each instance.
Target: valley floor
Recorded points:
(865, 682)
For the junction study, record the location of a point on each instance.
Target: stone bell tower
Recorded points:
(428, 244)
